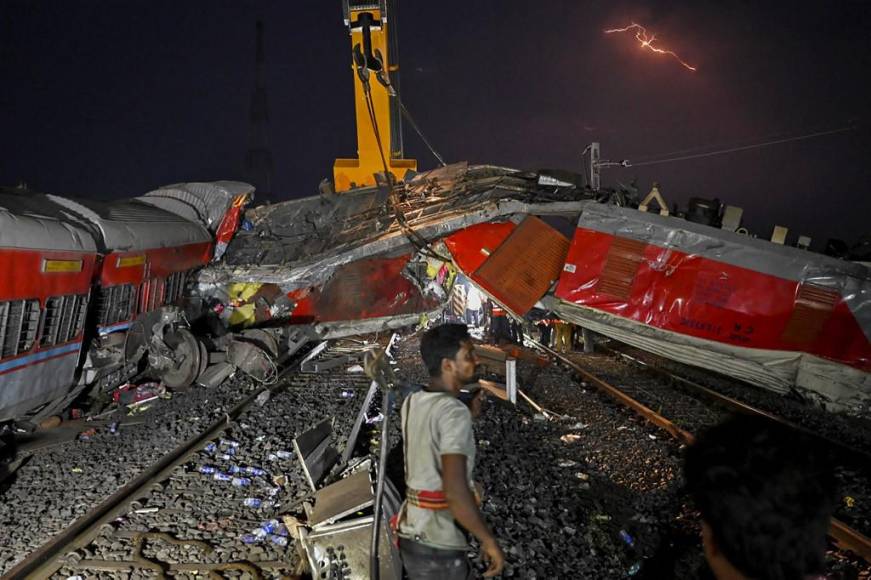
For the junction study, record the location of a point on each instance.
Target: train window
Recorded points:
(116, 304)
(81, 309)
(51, 320)
(63, 319)
(175, 284)
(19, 321)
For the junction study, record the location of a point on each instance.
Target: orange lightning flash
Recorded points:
(647, 42)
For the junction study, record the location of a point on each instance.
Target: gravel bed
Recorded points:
(594, 494)
(59, 484)
(192, 505)
(850, 430)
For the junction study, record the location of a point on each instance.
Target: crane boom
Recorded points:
(378, 143)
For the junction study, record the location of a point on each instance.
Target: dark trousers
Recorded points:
(500, 329)
(425, 563)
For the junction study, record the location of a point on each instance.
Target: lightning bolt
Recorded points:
(647, 42)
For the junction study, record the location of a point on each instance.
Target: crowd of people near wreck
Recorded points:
(498, 327)
(765, 494)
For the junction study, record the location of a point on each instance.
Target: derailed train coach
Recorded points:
(775, 316)
(92, 292)
(374, 258)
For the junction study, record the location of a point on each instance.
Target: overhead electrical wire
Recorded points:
(744, 147)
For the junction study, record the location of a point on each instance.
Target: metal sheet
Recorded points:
(342, 498)
(358, 422)
(523, 268)
(202, 203)
(314, 452)
(215, 375)
(346, 546)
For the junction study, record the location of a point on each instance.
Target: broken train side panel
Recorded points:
(775, 316)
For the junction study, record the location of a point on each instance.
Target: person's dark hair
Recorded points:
(767, 493)
(442, 342)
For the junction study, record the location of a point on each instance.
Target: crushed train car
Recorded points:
(379, 257)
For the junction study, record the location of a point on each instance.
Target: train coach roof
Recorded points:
(32, 221)
(130, 225)
(203, 203)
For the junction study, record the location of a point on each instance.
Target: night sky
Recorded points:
(110, 99)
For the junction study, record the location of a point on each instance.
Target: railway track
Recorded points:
(682, 407)
(140, 528)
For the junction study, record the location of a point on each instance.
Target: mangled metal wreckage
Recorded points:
(379, 257)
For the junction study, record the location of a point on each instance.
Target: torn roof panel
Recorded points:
(301, 242)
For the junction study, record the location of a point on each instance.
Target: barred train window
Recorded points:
(174, 287)
(64, 318)
(19, 321)
(116, 304)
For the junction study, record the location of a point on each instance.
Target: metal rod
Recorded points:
(374, 560)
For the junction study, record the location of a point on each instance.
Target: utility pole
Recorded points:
(258, 160)
(596, 164)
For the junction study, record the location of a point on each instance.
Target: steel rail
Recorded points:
(736, 405)
(46, 560)
(843, 535)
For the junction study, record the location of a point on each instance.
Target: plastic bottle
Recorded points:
(250, 539)
(210, 448)
(347, 394)
(256, 502)
(633, 570)
(278, 540)
(272, 527)
(221, 476)
(629, 540)
(234, 469)
(225, 456)
(256, 471)
(228, 443)
(241, 481)
(272, 491)
(207, 469)
(279, 455)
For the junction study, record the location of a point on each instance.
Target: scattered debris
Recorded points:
(86, 435)
(570, 438)
(132, 395)
(263, 398)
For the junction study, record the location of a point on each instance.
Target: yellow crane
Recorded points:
(379, 135)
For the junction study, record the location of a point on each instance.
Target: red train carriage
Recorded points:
(778, 317)
(48, 264)
(772, 315)
(147, 256)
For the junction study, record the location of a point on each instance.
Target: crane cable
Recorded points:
(417, 130)
(745, 147)
(421, 243)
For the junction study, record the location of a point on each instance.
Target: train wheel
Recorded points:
(188, 358)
